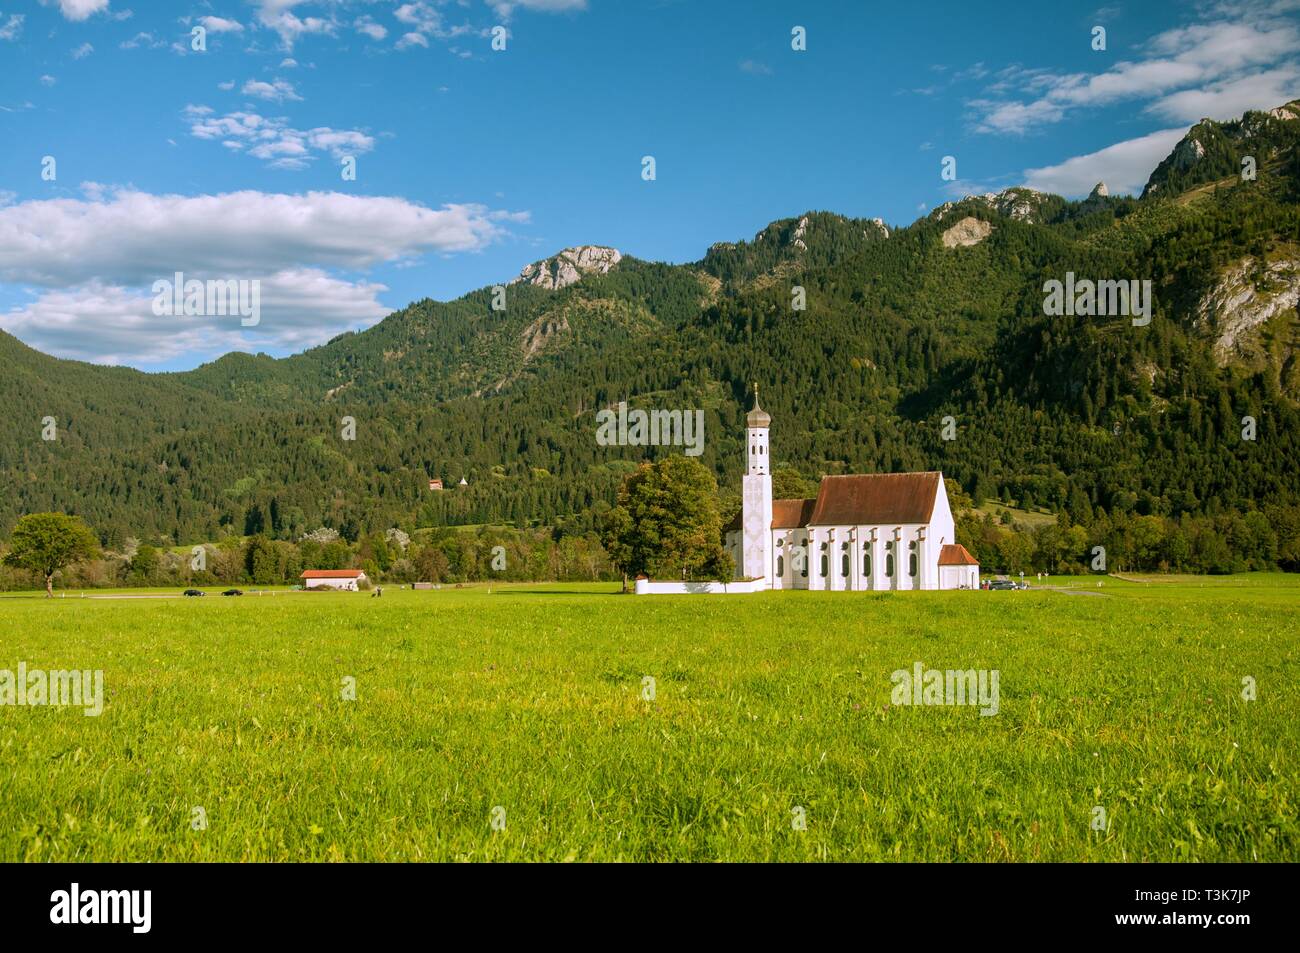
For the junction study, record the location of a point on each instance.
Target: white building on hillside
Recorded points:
(863, 532)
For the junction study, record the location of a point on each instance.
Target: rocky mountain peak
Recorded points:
(561, 270)
(1018, 203)
(1099, 191)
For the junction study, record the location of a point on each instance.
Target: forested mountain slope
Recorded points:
(903, 326)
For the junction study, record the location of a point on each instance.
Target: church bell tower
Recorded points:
(756, 517)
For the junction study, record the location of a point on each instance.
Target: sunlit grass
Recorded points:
(530, 698)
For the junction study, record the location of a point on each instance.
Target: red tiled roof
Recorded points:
(955, 554)
(332, 574)
(786, 514)
(876, 498)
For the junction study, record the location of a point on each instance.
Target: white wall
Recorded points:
(348, 584)
(648, 587)
(954, 577)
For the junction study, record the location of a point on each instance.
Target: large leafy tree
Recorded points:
(44, 543)
(666, 523)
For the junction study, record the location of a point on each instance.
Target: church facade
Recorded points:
(864, 532)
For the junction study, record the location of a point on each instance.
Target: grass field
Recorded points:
(529, 699)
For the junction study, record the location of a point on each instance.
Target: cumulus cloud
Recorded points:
(77, 10)
(409, 40)
(274, 140)
(419, 15)
(1228, 100)
(221, 25)
(276, 91)
(1226, 62)
(1124, 167)
(128, 237)
(81, 52)
(90, 265)
(278, 15)
(109, 324)
(366, 25)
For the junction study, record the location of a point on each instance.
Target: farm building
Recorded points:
(349, 579)
(435, 484)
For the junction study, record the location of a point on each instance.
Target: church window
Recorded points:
(911, 565)
(780, 565)
(825, 567)
(889, 564)
(866, 560)
(844, 564)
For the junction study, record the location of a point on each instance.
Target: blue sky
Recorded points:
(472, 162)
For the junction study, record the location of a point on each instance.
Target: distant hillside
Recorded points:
(903, 327)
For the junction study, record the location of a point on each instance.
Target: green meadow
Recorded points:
(528, 705)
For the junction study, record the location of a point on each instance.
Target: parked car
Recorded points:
(1003, 584)
(195, 592)
(233, 592)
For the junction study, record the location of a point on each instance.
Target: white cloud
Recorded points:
(146, 40)
(367, 25)
(409, 40)
(111, 324)
(1179, 67)
(130, 238)
(221, 25)
(273, 139)
(77, 10)
(1228, 100)
(288, 63)
(276, 91)
(48, 80)
(503, 8)
(1124, 167)
(226, 85)
(81, 52)
(420, 15)
(755, 68)
(10, 28)
(92, 262)
(278, 15)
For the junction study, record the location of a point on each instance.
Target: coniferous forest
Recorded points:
(1174, 444)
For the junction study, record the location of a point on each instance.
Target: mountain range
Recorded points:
(903, 327)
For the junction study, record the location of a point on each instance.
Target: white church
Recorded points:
(863, 532)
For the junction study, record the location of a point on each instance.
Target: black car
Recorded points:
(195, 592)
(1002, 584)
(233, 592)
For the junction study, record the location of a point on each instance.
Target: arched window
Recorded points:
(825, 566)
(844, 564)
(911, 565)
(889, 564)
(780, 565)
(866, 560)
